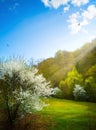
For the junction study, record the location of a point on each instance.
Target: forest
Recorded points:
(73, 71)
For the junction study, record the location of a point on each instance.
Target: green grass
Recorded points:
(60, 114)
(70, 115)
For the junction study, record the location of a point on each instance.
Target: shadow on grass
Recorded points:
(29, 122)
(85, 122)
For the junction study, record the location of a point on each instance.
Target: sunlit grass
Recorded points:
(71, 115)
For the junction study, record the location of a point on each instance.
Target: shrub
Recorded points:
(58, 93)
(21, 88)
(79, 93)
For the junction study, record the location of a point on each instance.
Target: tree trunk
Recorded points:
(8, 112)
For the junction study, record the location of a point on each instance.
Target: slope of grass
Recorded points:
(71, 115)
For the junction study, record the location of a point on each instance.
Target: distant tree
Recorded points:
(90, 82)
(64, 58)
(65, 89)
(86, 59)
(21, 88)
(90, 87)
(79, 93)
(91, 72)
(58, 93)
(73, 78)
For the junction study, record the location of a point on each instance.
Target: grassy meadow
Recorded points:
(71, 115)
(60, 114)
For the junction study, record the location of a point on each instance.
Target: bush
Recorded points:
(21, 88)
(79, 93)
(58, 93)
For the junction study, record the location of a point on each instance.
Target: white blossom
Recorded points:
(26, 87)
(79, 93)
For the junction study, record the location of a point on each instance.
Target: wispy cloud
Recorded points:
(57, 3)
(79, 2)
(46, 3)
(66, 8)
(90, 13)
(14, 6)
(75, 24)
(79, 20)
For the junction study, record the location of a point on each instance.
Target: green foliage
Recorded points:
(74, 77)
(48, 68)
(91, 72)
(63, 57)
(65, 89)
(69, 83)
(87, 61)
(90, 87)
(90, 83)
(55, 69)
(59, 69)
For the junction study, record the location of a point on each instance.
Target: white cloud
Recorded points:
(46, 3)
(79, 2)
(78, 21)
(57, 3)
(66, 8)
(74, 23)
(90, 13)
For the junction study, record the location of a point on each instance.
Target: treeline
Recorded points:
(68, 69)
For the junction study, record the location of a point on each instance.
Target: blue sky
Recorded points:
(38, 28)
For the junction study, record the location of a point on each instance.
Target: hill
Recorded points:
(56, 69)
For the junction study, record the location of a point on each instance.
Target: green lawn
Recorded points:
(70, 115)
(60, 114)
